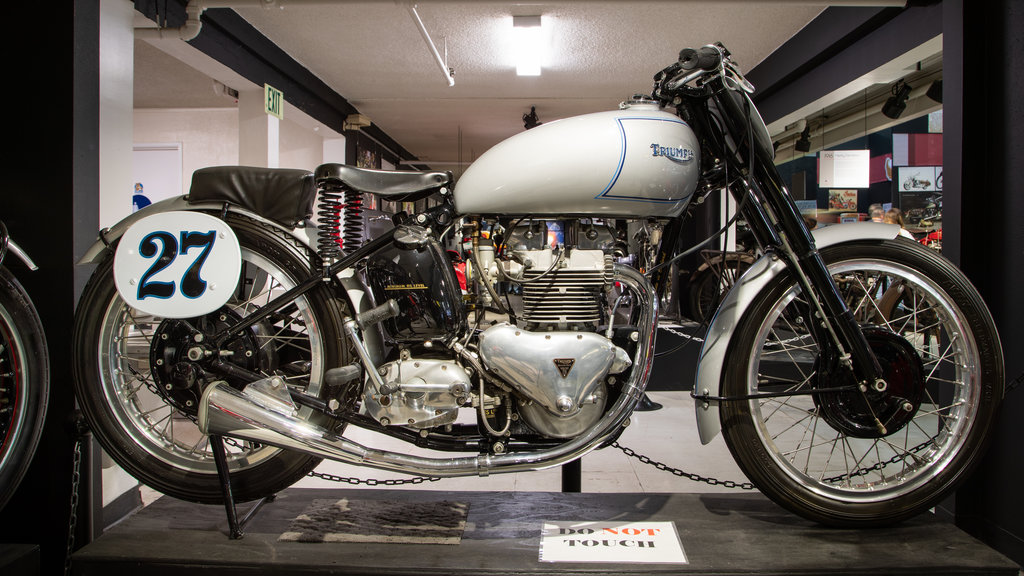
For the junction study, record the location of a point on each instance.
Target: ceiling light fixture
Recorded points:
(804, 143)
(897, 103)
(527, 41)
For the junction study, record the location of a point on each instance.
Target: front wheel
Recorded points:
(866, 458)
(126, 365)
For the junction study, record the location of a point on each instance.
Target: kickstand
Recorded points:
(220, 458)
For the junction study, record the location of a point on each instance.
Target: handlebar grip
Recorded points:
(706, 58)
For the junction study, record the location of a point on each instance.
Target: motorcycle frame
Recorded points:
(763, 201)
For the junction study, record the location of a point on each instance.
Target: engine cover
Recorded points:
(561, 372)
(429, 393)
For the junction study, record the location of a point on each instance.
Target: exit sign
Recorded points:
(273, 100)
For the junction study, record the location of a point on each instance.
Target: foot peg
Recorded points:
(336, 377)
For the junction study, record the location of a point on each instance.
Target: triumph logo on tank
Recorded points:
(675, 154)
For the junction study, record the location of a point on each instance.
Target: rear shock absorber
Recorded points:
(329, 240)
(353, 232)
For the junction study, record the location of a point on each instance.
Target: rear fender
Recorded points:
(357, 294)
(738, 300)
(109, 236)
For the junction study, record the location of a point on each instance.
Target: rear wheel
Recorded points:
(866, 458)
(124, 363)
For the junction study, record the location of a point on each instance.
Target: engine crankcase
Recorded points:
(562, 373)
(419, 393)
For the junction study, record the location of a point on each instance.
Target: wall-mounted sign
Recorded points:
(273, 100)
(620, 542)
(845, 169)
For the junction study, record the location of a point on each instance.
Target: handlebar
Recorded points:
(707, 58)
(694, 64)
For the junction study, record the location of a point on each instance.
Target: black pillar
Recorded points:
(50, 165)
(983, 61)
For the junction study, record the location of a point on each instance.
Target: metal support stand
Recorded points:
(234, 524)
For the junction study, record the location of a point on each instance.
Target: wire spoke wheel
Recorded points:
(24, 383)
(146, 420)
(132, 384)
(856, 458)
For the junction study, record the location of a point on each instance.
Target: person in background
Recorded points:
(895, 216)
(876, 213)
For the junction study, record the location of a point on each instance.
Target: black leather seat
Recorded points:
(280, 194)
(395, 186)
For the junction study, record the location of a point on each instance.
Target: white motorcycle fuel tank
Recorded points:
(634, 162)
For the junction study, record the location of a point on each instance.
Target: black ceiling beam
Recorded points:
(231, 40)
(166, 13)
(839, 46)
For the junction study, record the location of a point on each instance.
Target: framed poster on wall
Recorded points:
(922, 211)
(844, 200)
(367, 155)
(920, 178)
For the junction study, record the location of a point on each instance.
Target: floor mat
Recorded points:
(346, 520)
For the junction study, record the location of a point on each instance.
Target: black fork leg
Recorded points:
(777, 217)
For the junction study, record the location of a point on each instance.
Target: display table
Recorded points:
(720, 533)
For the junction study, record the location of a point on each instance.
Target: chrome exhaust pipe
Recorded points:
(264, 413)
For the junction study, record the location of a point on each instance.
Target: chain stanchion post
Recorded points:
(572, 476)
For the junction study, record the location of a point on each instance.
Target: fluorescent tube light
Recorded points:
(528, 43)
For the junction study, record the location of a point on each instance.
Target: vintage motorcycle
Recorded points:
(24, 373)
(228, 313)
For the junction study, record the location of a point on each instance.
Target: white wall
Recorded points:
(116, 187)
(116, 89)
(208, 136)
(300, 147)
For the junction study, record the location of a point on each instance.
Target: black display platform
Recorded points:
(721, 534)
(19, 559)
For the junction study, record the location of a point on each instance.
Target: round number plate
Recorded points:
(177, 264)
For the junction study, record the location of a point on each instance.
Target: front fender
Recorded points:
(21, 254)
(738, 300)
